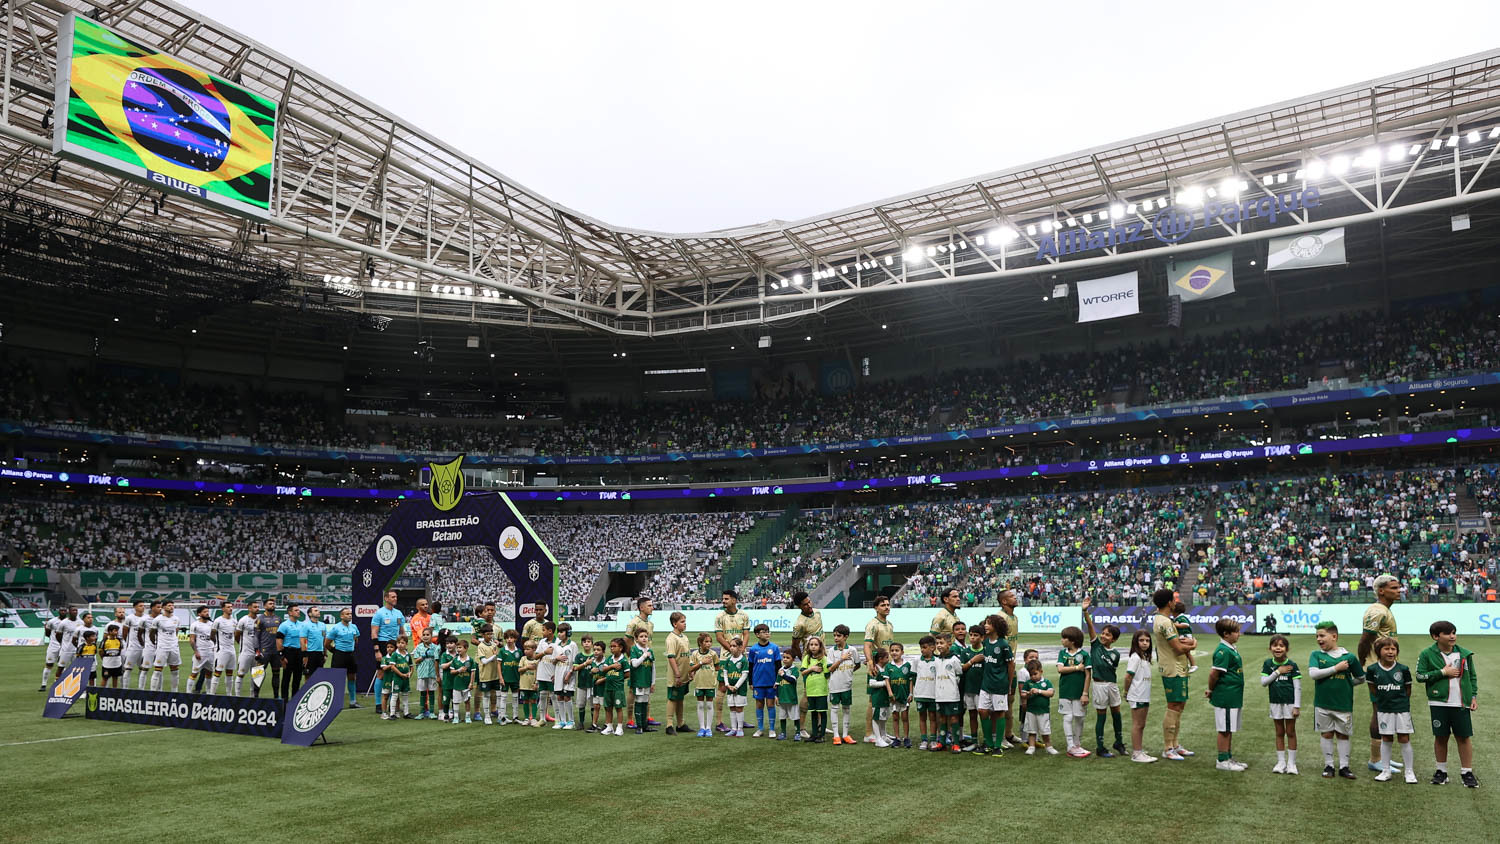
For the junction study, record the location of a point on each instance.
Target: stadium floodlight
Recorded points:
(1280, 178)
(1072, 222)
(1338, 165)
(1473, 136)
(1394, 153)
(912, 255)
(1416, 148)
(887, 260)
(978, 240)
(1452, 141)
(1437, 144)
(1046, 226)
(1161, 202)
(1031, 230)
(882, 326)
(1210, 192)
(1088, 219)
(932, 251)
(1116, 212)
(1267, 179)
(1315, 170)
(1495, 133)
(1191, 196)
(797, 278)
(1229, 187)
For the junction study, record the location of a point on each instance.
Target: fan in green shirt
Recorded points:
(1390, 688)
(1227, 690)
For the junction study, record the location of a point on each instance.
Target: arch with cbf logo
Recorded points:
(451, 519)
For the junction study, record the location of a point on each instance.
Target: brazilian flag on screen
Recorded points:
(132, 108)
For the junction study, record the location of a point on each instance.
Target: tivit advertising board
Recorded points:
(128, 107)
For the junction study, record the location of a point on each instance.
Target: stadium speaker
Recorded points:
(1059, 291)
(764, 342)
(1174, 311)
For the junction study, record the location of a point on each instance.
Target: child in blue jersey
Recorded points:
(765, 663)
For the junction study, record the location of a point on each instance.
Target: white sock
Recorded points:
(879, 728)
(1291, 756)
(703, 716)
(1406, 756)
(1385, 756)
(143, 678)
(1327, 744)
(175, 675)
(46, 672)
(1441, 766)
(846, 719)
(1281, 757)
(1343, 752)
(213, 685)
(155, 681)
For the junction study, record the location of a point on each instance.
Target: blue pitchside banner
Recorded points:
(314, 706)
(246, 716)
(69, 687)
(450, 519)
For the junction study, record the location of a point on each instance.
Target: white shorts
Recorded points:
(133, 657)
(1393, 723)
(1038, 723)
(1070, 707)
(1331, 721)
(994, 702)
(734, 700)
(53, 649)
(899, 706)
(1226, 720)
(585, 696)
(148, 655)
(204, 659)
(546, 682)
(971, 702)
(789, 711)
(878, 713)
(225, 659)
(167, 657)
(1282, 712)
(67, 655)
(247, 661)
(561, 685)
(1104, 695)
(460, 695)
(427, 684)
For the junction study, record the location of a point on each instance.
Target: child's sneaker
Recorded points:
(488, 720)
(906, 743)
(557, 726)
(757, 734)
(1238, 765)
(1142, 757)
(1192, 669)
(1224, 765)
(1328, 772)
(1030, 751)
(442, 716)
(1078, 753)
(1174, 755)
(935, 746)
(1468, 779)
(1280, 767)
(1346, 773)
(1103, 753)
(773, 735)
(1051, 751)
(838, 739)
(956, 748)
(739, 733)
(922, 746)
(1119, 748)
(384, 717)
(1439, 777)
(796, 737)
(1184, 752)
(1384, 775)
(882, 743)
(1006, 744)
(1411, 777)
(1291, 768)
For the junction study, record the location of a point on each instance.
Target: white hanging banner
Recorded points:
(1108, 298)
(1314, 249)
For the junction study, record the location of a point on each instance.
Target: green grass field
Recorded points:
(75, 777)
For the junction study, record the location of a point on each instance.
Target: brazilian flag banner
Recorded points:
(128, 107)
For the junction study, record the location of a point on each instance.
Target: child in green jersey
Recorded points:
(734, 678)
(815, 684)
(996, 664)
(1390, 693)
(445, 685)
(398, 680)
(597, 655)
(1226, 691)
(642, 678)
(613, 669)
(424, 668)
(1335, 672)
(1104, 690)
(461, 681)
(1184, 628)
(901, 675)
(1073, 674)
(1283, 683)
(973, 679)
(1447, 670)
(880, 697)
(510, 678)
(786, 697)
(1036, 696)
(583, 676)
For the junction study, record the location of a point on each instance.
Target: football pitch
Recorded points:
(435, 781)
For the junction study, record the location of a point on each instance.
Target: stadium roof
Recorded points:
(364, 199)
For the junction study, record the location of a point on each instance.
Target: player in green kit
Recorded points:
(613, 669)
(642, 678)
(510, 678)
(398, 676)
(1104, 663)
(1226, 691)
(880, 697)
(1036, 694)
(997, 666)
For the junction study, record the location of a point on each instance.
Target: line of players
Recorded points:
(225, 650)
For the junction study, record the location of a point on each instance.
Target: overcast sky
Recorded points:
(699, 116)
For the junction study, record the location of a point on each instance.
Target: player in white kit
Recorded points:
(167, 653)
(224, 633)
(72, 633)
(148, 646)
(52, 633)
(132, 630)
(247, 637)
(201, 638)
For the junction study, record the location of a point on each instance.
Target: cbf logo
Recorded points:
(447, 487)
(533, 571)
(313, 706)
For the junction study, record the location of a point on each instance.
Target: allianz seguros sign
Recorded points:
(1173, 225)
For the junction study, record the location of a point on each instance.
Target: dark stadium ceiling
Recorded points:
(361, 196)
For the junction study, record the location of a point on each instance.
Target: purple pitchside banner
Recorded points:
(1203, 618)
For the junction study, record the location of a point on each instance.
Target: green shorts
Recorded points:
(924, 705)
(841, 698)
(613, 699)
(529, 696)
(1453, 720)
(1176, 688)
(702, 694)
(950, 708)
(489, 685)
(677, 692)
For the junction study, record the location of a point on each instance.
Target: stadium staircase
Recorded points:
(1468, 507)
(755, 543)
(836, 585)
(593, 603)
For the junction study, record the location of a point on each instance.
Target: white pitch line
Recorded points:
(90, 735)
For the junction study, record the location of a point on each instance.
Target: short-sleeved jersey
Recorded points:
(613, 671)
(677, 651)
(643, 675)
(942, 623)
(583, 670)
(945, 683)
(815, 683)
(1379, 619)
(425, 658)
(1103, 662)
(202, 633)
(291, 633)
(134, 633)
(1184, 624)
(995, 673)
(973, 674)
(1390, 688)
(265, 633)
(1229, 688)
(1070, 685)
(1335, 692)
(786, 684)
(841, 679)
(1013, 636)
(880, 633)
(510, 666)
(460, 672)
(224, 628)
(735, 624)
(703, 668)
(901, 675)
(246, 628)
(315, 631)
(110, 652)
(397, 660)
(387, 624)
(636, 624)
(734, 673)
(489, 666)
(1038, 704)
(527, 669)
(1283, 688)
(533, 631)
(545, 650)
(344, 636)
(1163, 633)
(925, 686)
(804, 626)
(765, 664)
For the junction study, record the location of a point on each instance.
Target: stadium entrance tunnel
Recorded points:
(488, 520)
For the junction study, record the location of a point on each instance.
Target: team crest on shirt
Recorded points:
(447, 487)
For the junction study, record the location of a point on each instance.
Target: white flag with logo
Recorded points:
(1314, 249)
(1108, 298)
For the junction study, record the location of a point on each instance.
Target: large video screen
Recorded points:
(131, 108)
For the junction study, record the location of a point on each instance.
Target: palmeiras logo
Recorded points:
(313, 706)
(447, 488)
(511, 543)
(385, 550)
(1306, 246)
